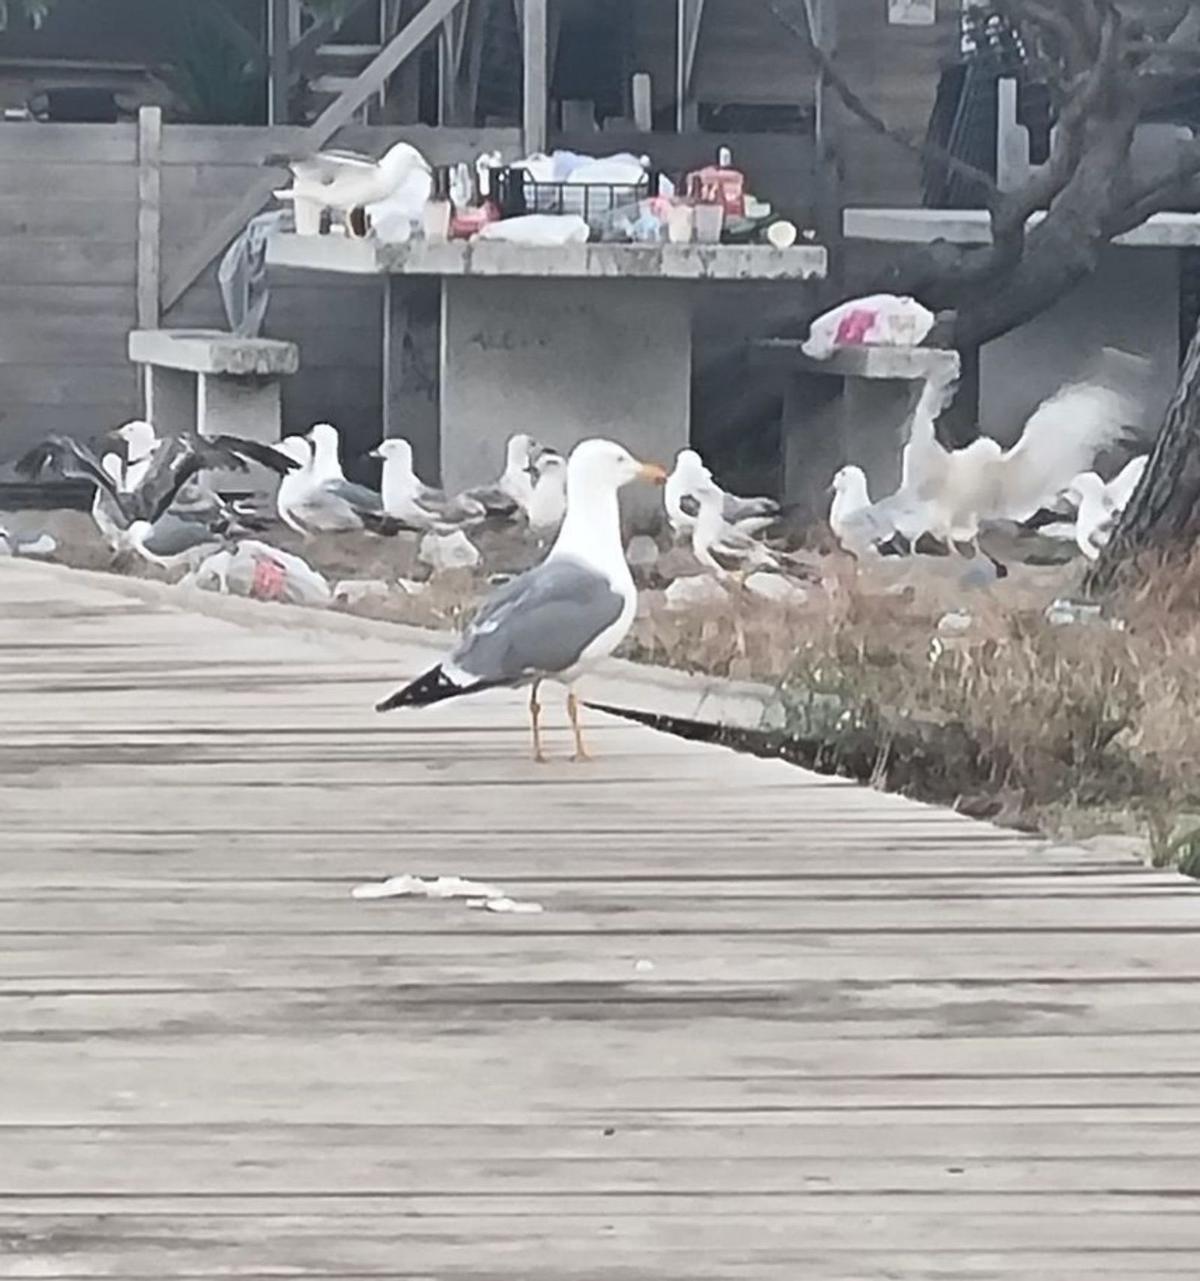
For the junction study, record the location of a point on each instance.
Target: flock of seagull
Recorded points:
(156, 497)
(1044, 482)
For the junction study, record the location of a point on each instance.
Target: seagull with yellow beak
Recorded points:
(559, 619)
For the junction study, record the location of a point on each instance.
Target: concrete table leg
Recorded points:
(171, 399)
(811, 443)
(411, 324)
(248, 407)
(563, 362)
(830, 421)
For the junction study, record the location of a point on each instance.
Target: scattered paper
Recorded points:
(478, 894)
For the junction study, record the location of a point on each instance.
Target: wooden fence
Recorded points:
(76, 275)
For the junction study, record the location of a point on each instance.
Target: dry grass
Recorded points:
(1076, 728)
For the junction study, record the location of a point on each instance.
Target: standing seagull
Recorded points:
(333, 505)
(750, 515)
(560, 618)
(408, 499)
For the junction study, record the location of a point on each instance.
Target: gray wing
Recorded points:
(538, 624)
(737, 509)
(359, 497)
(172, 535)
(493, 500)
(456, 510)
(325, 166)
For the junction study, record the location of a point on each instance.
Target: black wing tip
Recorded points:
(432, 686)
(31, 463)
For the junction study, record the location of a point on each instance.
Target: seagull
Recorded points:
(333, 505)
(560, 618)
(1096, 516)
(513, 491)
(520, 461)
(985, 482)
(406, 498)
(720, 545)
(326, 453)
(548, 505)
(750, 515)
(143, 517)
(346, 180)
(141, 441)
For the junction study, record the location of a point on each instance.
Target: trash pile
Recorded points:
(541, 200)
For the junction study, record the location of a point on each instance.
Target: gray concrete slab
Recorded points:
(210, 351)
(562, 262)
(768, 1026)
(562, 365)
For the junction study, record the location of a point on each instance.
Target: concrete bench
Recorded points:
(851, 408)
(212, 382)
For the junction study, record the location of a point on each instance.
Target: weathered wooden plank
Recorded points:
(67, 218)
(38, 260)
(754, 1017)
(68, 144)
(51, 181)
(536, 68)
(247, 146)
(74, 384)
(59, 340)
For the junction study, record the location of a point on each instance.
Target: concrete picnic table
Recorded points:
(563, 342)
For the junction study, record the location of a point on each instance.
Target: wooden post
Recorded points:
(149, 251)
(822, 19)
(278, 31)
(535, 116)
(689, 17)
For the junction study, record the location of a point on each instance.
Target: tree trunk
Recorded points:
(1163, 516)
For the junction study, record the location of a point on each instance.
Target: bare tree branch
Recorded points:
(924, 149)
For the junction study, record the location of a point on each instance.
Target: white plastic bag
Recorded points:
(263, 572)
(448, 551)
(880, 320)
(539, 230)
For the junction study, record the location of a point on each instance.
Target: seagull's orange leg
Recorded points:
(581, 752)
(535, 715)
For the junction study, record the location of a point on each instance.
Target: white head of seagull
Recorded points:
(399, 482)
(140, 437)
(1096, 515)
(141, 441)
(296, 484)
(326, 462)
(548, 504)
(850, 485)
(591, 529)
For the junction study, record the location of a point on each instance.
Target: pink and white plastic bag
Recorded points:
(880, 320)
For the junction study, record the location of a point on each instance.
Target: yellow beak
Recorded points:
(655, 474)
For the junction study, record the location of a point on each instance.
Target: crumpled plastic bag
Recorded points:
(262, 572)
(879, 320)
(448, 551)
(541, 230)
(35, 545)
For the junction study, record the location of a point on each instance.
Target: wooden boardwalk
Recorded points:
(770, 1026)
